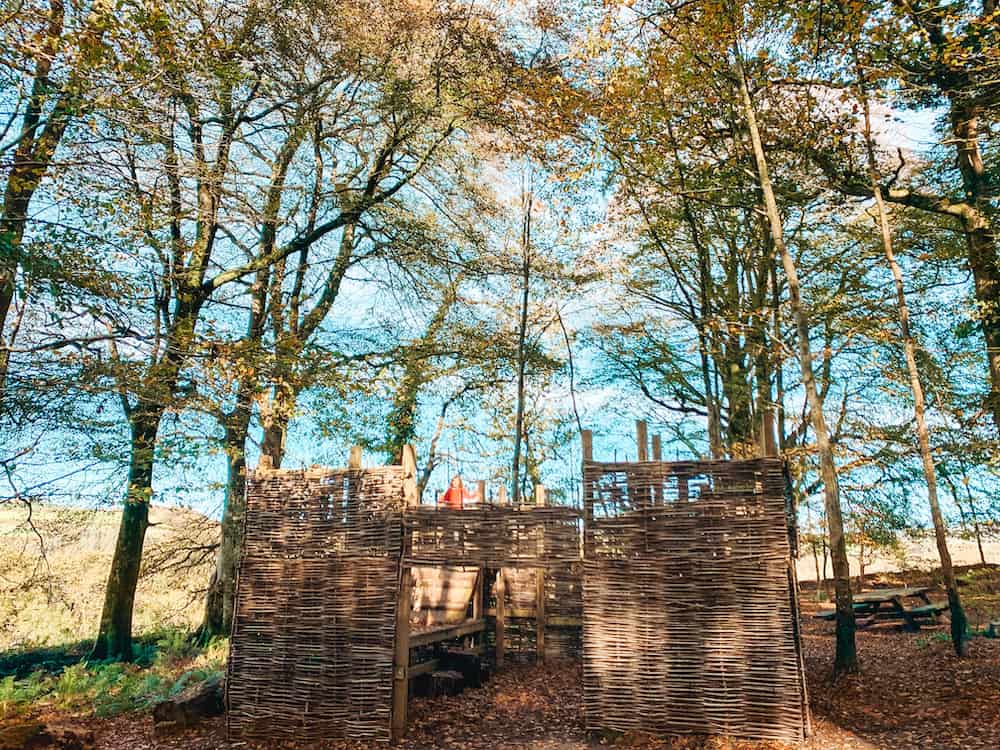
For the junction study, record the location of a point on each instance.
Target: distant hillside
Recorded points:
(52, 576)
(913, 554)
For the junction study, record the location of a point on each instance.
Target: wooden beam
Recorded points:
(424, 667)
(427, 637)
(528, 613)
(502, 495)
(540, 495)
(401, 661)
(481, 489)
(264, 463)
(354, 457)
(641, 440)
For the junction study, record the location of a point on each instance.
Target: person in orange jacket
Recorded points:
(455, 496)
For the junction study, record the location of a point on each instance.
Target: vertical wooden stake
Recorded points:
(354, 458)
(481, 489)
(658, 456)
(477, 599)
(501, 622)
(411, 494)
(540, 619)
(641, 441)
(540, 495)
(502, 495)
(587, 443)
(401, 661)
(264, 463)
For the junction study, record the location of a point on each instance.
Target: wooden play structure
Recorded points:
(672, 582)
(349, 591)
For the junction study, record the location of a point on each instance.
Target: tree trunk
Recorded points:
(819, 578)
(37, 143)
(114, 638)
(846, 658)
(402, 428)
(276, 419)
(958, 620)
(522, 332)
(221, 599)
(980, 239)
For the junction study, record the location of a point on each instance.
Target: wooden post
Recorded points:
(587, 443)
(540, 618)
(641, 440)
(401, 661)
(411, 495)
(354, 458)
(481, 489)
(477, 600)
(502, 495)
(658, 456)
(540, 495)
(264, 463)
(540, 498)
(501, 621)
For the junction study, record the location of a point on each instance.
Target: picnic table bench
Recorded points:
(887, 604)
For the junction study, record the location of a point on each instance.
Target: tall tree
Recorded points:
(958, 619)
(56, 66)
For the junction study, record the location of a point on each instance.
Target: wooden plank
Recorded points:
(424, 667)
(427, 637)
(587, 444)
(401, 662)
(527, 613)
(657, 448)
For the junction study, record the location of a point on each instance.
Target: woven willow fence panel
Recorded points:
(311, 654)
(690, 624)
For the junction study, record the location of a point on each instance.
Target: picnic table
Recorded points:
(888, 604)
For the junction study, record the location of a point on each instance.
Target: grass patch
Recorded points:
(168, 663)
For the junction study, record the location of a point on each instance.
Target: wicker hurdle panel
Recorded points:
(311, 653)
(689, 624)
(493, 535)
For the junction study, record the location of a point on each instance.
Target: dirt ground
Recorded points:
(912, 693)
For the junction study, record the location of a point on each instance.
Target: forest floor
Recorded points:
(912, 692)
